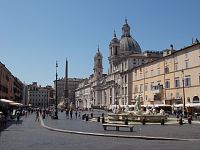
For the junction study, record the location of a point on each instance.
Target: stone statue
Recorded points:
(162, 112)
(137, 104)
(148, 112)
(127, 108)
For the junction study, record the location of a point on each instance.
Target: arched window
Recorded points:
(115, 51)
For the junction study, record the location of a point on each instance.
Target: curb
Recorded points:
(111, 135)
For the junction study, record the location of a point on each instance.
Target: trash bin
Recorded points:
(190, 120)
(91, 115)
(103, 120)
(181, 121)
(98, 119)
(126, 121)
(143, 121)
(102, 115)
(86, 118)
(162, 121)
(83, 117)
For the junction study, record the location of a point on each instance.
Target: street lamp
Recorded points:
(56, 111)
(184, 109)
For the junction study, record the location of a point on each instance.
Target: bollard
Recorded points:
(91, 115)
(181, 121)
(98, 119)
(103, 120)
(102, 115)
(83, 117)
(190, 120)
(126, 121)
(86, 118)
(162, 121)
(143, 121)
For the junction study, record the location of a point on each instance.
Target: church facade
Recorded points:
(107, 90)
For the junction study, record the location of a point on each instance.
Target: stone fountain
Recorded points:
(150, 115)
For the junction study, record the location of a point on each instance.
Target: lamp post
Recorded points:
(184, 110)
(56, 111)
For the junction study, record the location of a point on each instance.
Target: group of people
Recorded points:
(69, 112)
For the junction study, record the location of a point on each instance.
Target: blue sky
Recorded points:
(36, 33)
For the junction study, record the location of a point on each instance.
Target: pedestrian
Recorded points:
(76, 114)
(71, 113)
(26, 113)
(67, 113)
(79, 114)
(43, 114)
(18, 116)
(37, 116)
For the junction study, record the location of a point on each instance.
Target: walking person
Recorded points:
(67, 113)
(71, 113)
(37, 116)
(76, 114)
(18, 116)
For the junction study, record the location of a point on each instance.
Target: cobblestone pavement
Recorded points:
(29, 135)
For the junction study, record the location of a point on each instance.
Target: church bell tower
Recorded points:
(98, 67)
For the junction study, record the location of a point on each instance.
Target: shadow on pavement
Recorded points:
(8, 123)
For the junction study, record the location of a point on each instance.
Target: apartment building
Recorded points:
(169, 80)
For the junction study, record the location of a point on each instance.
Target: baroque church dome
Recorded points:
(127, 43)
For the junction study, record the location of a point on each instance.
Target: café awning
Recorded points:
(13, 103)
(6, 101)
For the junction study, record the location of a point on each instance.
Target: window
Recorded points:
(151, 72)
(199, 59)
(186, 55)
(146, 86)
(136, 89)
(110, 91)
(177, 95)
(158, 72)
(176, 83)
(175, 59)
(187, 81)
(167, 84)
(158, 65)
(146, 97)
(146, 74)
(116, 51)
(199, 78)
(125, 79)
(152, 83)
(140, 75)
(159, 84)
(186, 64)
(125, 90)
(166, 69)
(141, 88)
(135, 75)
(176, 67)
(122, 90)
(134, 61)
